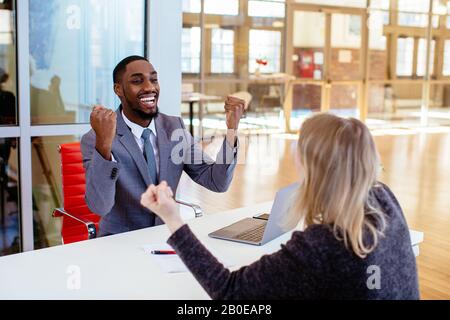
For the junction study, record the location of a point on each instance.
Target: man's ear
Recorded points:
(118, 90)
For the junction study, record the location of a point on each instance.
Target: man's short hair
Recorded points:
(122, 66)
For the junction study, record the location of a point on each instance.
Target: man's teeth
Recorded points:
(148, 100)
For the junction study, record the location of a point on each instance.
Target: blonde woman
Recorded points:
(355, 245)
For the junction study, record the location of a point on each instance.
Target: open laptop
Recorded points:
(263, 228)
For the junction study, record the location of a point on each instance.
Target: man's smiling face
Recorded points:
(138, 90)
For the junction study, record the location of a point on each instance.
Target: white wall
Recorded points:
(166, 21)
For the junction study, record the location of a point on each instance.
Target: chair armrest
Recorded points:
(197, 210)
(90, 226)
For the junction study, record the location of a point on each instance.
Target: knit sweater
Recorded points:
(313, 264)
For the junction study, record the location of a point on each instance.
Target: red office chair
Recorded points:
(80, 223)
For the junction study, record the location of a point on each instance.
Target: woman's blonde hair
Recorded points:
(340, 166)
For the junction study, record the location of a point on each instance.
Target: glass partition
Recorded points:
(232, 47)
(9, 196)
(8, 88)
(65, 83)
(10, 238)
(47, 188)
(73, 49)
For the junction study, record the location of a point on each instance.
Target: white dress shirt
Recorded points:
(137, 133)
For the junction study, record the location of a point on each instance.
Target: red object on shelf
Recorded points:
(262, 62)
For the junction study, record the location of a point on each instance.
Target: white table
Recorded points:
(116, 267)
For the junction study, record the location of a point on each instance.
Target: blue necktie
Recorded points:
(148, 150)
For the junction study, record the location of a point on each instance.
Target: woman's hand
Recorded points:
(159, 199)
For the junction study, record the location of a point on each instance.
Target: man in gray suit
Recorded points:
(135, 146)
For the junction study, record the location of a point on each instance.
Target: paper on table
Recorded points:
(171, 263)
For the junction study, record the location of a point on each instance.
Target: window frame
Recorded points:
(211, 72)
(281, 58)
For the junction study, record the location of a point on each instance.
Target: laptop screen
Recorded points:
(276, 225)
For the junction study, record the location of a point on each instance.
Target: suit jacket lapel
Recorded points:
(129, 143)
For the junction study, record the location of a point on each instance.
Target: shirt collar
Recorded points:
(137, 129)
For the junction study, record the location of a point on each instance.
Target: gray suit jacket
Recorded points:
(113, 189)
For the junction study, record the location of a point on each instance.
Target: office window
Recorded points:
(446, 67)
(228, 7)
(267, 8)
(379, 17)
(345, 31)
(222, 51)
(405, 52)
(9, 146)
(192, 6)
(341, 3)
(422, 57)
(417, 13)
(265, 45)
(74, 47)
(420, 6)
(380, 4)
(441, 7)
(377, 39)
(382, 14)
(9, 196)
(8, 92)
(190, 50)
(47, 188)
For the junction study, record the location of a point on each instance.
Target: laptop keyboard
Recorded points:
(255, 234)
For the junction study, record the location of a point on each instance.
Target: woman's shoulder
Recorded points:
(383, 197)
(382, 187)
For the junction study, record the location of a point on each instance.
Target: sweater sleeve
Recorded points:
(292, 272)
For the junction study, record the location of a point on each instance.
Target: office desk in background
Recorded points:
(198, 97)
(116, 267)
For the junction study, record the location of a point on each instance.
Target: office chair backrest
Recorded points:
(74, 187)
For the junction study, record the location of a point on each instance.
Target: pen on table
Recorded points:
(163, 252)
